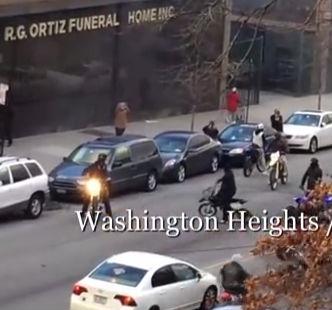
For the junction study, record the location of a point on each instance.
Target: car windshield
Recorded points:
(119, 274)
(237, 134)
(88, 154)
(171, 144)
(304, 120)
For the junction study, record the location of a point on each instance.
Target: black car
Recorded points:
(187, 153)
(133, 162)
(236, 140)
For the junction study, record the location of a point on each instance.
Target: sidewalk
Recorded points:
(49, 149)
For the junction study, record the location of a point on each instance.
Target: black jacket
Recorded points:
(279, 145)
(97, 170)
(311, 176)
(277, 124)
(228, 186)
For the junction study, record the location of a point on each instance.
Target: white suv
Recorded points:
(23, 186)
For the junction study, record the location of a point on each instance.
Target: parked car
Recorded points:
(144, 281)
(187, 153)
(309, 130)
(133, 162)
(23, 186)
(236, 140)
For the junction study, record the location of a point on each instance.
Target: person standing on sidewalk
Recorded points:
(121, 118)
(277, 121)
(233, 101)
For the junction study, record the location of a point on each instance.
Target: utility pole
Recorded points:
(323, 22)
(227, 7)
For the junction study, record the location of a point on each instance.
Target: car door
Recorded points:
(122, 169)
(140, 158)
(329, 128)
(324, 131)
(165, 288)
(6, 194)
(191, 291)
(20, 188)
(195, 160)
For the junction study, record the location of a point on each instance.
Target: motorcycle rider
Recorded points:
(227, 191)
(279, 144)
(312, 176)
(259, 142)
(98, 170)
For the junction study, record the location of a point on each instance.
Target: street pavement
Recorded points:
(42, 259)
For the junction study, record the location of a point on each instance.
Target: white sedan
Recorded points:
(309, 130)
(145, 281)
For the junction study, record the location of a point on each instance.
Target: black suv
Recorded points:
(133, 162)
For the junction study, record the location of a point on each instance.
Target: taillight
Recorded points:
(78, 290)
(126, 300)
(226, 297)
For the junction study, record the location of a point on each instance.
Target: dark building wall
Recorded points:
(65, 79)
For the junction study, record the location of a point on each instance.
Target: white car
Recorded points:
(144, 281)
(23, 186)
(309, 130)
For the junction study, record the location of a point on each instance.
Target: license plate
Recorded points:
(100, 300)
(61, 191)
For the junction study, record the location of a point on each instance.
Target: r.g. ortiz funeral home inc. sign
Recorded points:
(85, 23)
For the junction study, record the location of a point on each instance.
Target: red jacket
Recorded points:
(233, 100)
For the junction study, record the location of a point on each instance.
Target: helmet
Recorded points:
(234, 89)
(260, 126)
(102, 157)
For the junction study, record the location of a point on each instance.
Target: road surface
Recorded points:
(42, 259)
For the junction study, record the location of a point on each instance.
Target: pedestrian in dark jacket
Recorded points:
(211, 130)
(277, 121)
(313, 175)
(227, 191)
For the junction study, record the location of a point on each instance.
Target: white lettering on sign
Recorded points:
(86, 23)
(150, 15)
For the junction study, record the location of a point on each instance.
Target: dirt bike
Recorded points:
(278, 170)
(252, 159)
(93, 188)
(208, 205)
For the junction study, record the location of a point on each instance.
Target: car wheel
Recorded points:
(247, 168)
(210, 299)
(154, 308)
(214, 164)
(151, 182)
(35, 206)
(181, 174)
(313, 146)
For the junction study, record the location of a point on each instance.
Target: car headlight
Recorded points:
(51, 179)
(236, 151)
(81, 182)
(302, 137)
(170, 163)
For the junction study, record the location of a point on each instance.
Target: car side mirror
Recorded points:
(65, 159)
(117, 164)
(199, 276)
(323, 125)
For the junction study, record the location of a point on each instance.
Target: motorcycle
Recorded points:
(278, 170)
(93, 188)
(208, 206)
(252, 159)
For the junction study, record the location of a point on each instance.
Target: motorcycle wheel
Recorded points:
(94, 207)
(273, 179)
(260, 167)
(247, 168)
(284, 176)
(207, 210)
